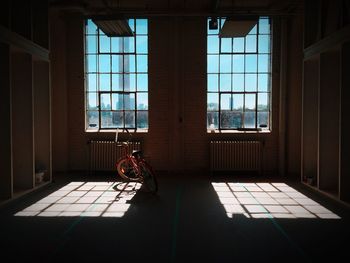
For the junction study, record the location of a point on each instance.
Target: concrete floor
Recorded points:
(184, 222)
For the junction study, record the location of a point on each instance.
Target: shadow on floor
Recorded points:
(188, 219)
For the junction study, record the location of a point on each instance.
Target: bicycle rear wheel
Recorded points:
(126, 171)
(149, 178)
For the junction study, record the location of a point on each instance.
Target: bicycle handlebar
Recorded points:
(117, 132)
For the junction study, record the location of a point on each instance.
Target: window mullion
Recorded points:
(256, 110)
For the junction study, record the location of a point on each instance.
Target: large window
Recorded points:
(239, 79)
(116, 78)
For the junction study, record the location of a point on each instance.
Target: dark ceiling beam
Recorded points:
(188, 13)
(107, 8)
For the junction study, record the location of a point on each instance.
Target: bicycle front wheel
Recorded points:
(126, 171)
(149, 178)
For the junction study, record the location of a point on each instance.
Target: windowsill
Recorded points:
(238, 131)
(114, 131)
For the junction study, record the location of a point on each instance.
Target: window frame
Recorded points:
(216, 75)
(115, 74)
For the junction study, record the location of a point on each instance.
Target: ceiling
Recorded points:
(179, 7)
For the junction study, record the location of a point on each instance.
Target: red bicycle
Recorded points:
(134, 168)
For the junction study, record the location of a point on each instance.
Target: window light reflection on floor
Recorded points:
(268, 200)
(87, 199)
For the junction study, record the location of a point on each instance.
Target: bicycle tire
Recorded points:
(126, 171)
(149, 178)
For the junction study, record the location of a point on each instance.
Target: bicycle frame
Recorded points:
(133, 167)
(133, 160)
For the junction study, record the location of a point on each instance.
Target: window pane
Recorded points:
(251, 63)
(129, 101)
(263, 82)
(226, 119)
(91, 63)
(91, 82)
(213, 82)
(129, 82)
(142, 82)
(142, 101)
(263, 119)
(253, 31)
(141, 26)
(91, 28)
(213, 119)
(142, 119)
(111, 119)
(213, 44)
(263, 104)
(238, 63)
(92, 119)
(263, 61)
(129, 44)
(238, 44)
(249, 102)
(222, 22)
(212, 31)
(225, 63)
(100, 32)
(213, 102)
(237, 119)
(131, 23)
(250, 82)
(141, 44)
(264, 43)
(237, 102)
(92, 101)
(104, 63)
(105, 45)
(117, 63)
(226, 45)
(129, 63)
(106, 119)
(91, 44)
(117, 119)
(142, 63)
(130, 119)
(105, 102)
(213, 64)
(117, 101)
(117, 44)
(238, 82)
(249, 119)
(225, 82)
(231, 120)
(117, 82)
(250, 43)
(264, 26)
(105, 82)
(226, 102)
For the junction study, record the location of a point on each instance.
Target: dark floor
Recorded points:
(184, 222)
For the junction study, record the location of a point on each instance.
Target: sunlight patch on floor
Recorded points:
(268, 200)
(86, 199)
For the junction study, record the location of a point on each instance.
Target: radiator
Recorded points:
(235, 155)
(105, 154)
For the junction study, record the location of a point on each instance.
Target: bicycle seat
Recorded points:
(136, 153)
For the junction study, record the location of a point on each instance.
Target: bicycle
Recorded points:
(134, 168)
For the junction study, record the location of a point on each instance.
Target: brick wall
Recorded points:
(177, 139)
